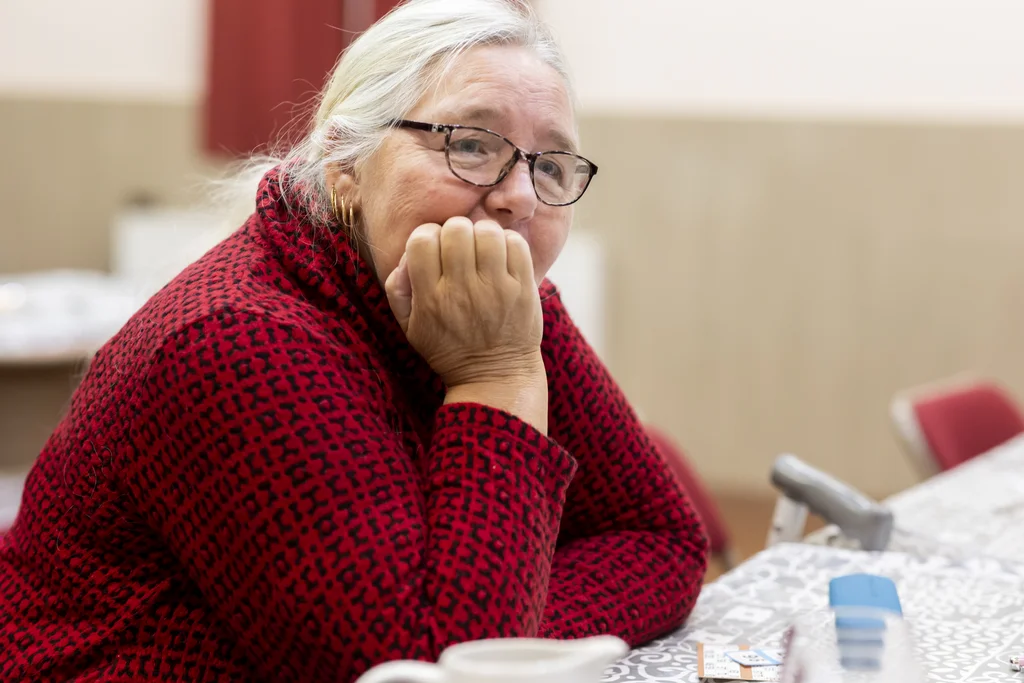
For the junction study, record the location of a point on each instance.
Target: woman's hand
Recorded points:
(466, 298)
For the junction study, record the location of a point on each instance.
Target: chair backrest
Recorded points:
(904, 422)
(703, 503)
(952, 423)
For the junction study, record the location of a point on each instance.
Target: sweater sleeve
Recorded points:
(266, 462)
(632, 553)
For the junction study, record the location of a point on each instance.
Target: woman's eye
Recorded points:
(468, 146)
(550, 168)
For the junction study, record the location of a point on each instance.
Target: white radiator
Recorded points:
(580, 275)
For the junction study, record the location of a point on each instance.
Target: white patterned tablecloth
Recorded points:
(967, 617)
(977, 507)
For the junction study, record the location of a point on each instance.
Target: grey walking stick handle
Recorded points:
(858, 516)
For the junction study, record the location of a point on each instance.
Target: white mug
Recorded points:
(509, 660)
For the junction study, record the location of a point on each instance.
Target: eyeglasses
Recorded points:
(483, 158)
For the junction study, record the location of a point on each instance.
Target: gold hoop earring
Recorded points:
(334, 204)
(348, 214)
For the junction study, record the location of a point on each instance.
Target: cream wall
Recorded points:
(102, 49)
(931, 59)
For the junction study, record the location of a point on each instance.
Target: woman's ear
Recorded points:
(344, 184)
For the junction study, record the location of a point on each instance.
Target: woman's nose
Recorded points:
(514, 199)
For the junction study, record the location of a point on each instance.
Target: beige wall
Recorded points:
(774, 282)
(771, 283)
(68, 166)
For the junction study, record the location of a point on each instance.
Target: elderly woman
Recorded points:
(363, 427)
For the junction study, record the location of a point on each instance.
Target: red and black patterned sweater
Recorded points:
(257, 480)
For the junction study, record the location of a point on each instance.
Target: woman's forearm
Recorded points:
(633, 584)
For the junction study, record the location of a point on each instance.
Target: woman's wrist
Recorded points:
(523, 393)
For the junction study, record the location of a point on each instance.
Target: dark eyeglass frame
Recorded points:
(531, 157)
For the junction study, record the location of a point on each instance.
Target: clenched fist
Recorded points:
(465, 296)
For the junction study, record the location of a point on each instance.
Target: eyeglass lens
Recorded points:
(481, 157)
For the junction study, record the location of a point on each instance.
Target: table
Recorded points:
(974, 510)
(957, 557)
(60, 317)
(977, 508)
(967, 617)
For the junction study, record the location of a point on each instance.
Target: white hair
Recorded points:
(382, 75)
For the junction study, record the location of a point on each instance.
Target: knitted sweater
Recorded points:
(258, 480)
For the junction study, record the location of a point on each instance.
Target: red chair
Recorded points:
(944, 425)
(703, 503)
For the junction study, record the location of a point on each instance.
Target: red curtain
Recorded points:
(267, 61)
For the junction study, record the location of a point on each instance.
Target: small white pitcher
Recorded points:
(509, 660)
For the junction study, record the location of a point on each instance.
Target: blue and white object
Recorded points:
(862, 603)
